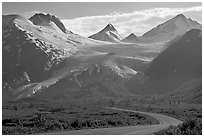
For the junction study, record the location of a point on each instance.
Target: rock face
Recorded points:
(109, 33)
(44, 20)
(168, 30)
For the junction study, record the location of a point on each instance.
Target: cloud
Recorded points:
(137, 22)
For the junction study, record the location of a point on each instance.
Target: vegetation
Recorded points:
(190, 114)
(189, 127)
(31, 117)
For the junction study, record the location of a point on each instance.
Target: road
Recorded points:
(164, 122)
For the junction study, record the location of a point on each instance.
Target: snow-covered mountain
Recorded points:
(168, 30)
(132, 38)
(40, 55)
(109, 33)
(32, 48)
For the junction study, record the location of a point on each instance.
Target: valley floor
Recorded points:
(39, 117)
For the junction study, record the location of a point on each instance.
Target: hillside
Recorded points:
(180, 62)
(165, 32)
(189, 92)
(176, 65)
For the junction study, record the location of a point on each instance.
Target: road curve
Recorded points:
(164, 123)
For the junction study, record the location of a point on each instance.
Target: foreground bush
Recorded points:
(189, 127)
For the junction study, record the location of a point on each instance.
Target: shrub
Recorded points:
(75, 124)
(189, 127)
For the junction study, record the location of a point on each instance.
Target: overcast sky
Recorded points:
(88, 18)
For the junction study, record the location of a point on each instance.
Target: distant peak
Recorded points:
(109, 27)
(109, 24)
(132, 35)
(180, 16)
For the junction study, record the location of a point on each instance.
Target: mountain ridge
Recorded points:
(166, 31)
(173, 27)
(45, 19)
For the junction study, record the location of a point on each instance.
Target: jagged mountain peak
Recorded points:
(109, 27)
(109, 33)
(42, 19)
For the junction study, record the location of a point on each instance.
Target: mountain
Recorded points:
(168, 30)
(132, 38)
(109, 33)
(180, 62)
(176, 65)
(32, 49)
(40, 59)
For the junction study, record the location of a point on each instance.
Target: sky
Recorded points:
(87, 18)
